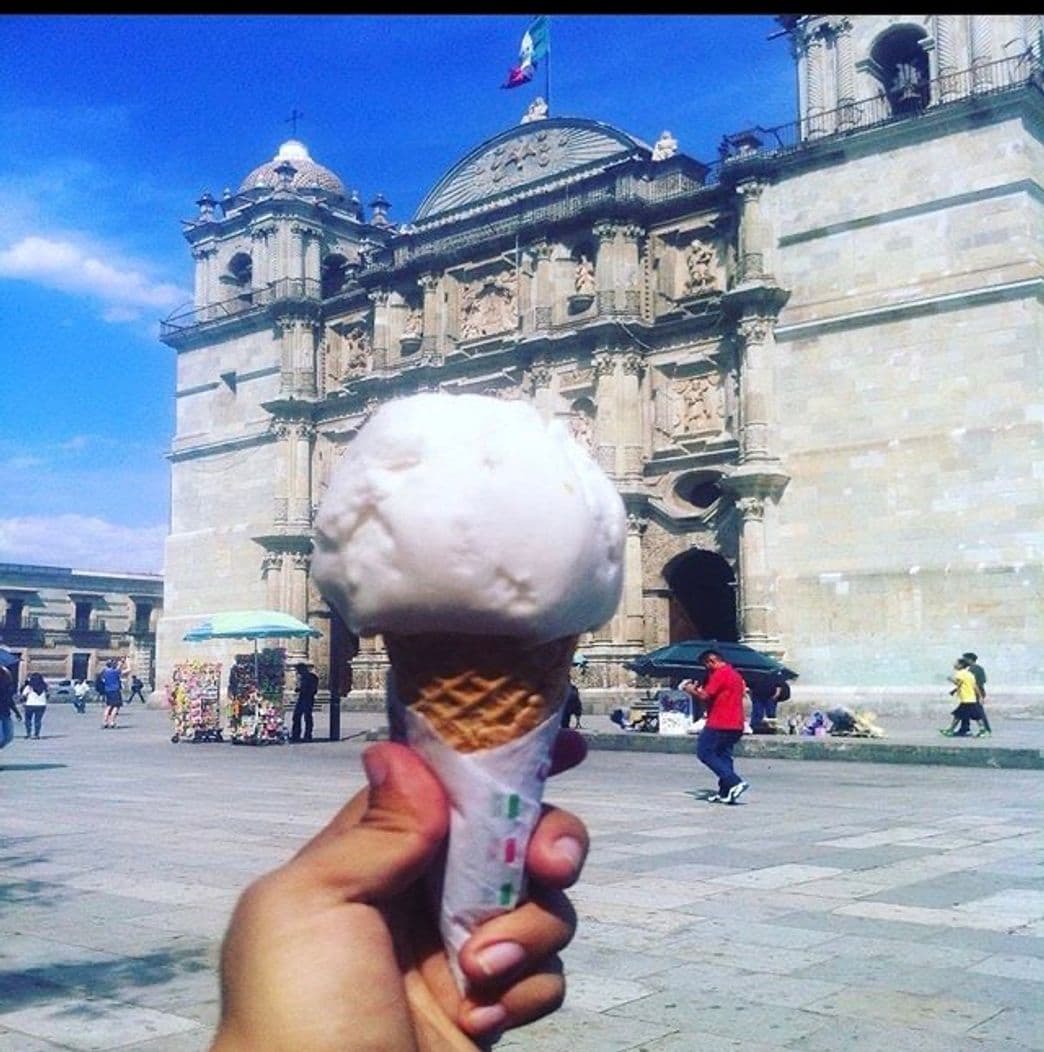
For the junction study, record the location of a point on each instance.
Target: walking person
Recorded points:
(307, 687)
(34, 701)
(573, 709)
(112, 688)
(8, 706)
(722, 696)
(985, 730)
(136, 690)
(80, 692)
(968, 707)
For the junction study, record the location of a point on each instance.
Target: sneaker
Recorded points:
(984, 734)
(736, 792)
(717, 798)
(946, 733)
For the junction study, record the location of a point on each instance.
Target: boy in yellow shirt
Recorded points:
(968, 707)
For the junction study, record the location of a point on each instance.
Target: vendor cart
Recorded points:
(194, 697)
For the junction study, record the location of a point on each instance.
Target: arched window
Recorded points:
(902, 67)
(240, 272)
(334, 275)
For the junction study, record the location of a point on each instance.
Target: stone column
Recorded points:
(272, 575)
(541, 376)
(298, 337)
(629, 270)
(301, 438)
(605, 267)
(262, 255)
(204, 275)
(305, 252)
(981, 52)
(430, 284)
(632, 603)
(814, 84)
(946, 58)
(605, 422)
(751, 231)
(845, 71)
(382, 349)
(297, 603)
(543, 288)
(759, 479)
(756, 614)
(631, 431)
(757, 395)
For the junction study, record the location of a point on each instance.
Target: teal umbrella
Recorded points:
(251, 624)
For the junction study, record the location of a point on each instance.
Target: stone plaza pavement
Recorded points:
(838, 906)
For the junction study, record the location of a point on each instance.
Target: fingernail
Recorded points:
(376, 769)
(569, 847)
(499, 957)
(487, 1017)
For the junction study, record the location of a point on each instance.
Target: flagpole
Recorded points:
(547, 69)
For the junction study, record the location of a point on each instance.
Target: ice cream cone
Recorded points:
(478, 692)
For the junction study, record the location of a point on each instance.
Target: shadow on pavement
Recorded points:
(31, 766)
(119, 979)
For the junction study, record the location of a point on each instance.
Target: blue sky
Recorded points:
(115, 124)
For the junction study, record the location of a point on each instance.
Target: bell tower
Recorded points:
(270, 258)
(858, 69)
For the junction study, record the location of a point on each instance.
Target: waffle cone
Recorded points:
(478, 692)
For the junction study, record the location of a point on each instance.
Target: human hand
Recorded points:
(336, 951)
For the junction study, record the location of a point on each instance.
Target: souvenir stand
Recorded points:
(194, 696)
(255, 692)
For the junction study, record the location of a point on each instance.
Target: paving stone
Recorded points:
(569, 1029)
(786, 876)
(896, 1007)
(94, 1024)
(754, 909)
(1017, 1027)
(727, 1016)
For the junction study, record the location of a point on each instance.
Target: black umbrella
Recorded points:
(7, 659)
(682, 660)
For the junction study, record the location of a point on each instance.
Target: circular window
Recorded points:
(701, 491)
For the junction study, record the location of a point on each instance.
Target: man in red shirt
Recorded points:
(722, 696)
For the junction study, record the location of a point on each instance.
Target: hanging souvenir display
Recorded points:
(194, 698)
(255, 692)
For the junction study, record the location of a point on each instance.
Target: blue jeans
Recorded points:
(6, 730)
(33, 716)
(761, 709)
(714, 750)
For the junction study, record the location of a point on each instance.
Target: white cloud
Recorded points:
(82, 542)
(61, 264)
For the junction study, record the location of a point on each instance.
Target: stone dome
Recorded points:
(307, 176)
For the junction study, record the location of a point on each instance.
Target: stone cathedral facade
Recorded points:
(811, 366)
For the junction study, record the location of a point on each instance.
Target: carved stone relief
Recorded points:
(356, 352)
(488, 306)
(700, 275)
(699, 405)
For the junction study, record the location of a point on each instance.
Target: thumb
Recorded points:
(385, 837)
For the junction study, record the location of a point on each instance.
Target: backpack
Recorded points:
(783, 693)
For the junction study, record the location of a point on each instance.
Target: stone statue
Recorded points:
(537, 111)
(582, 427)
(701, 405)
(584, 281)
(665, 146)
(700, 264)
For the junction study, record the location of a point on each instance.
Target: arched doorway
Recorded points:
(703, 597)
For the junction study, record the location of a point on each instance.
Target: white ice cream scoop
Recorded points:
(466, 513)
